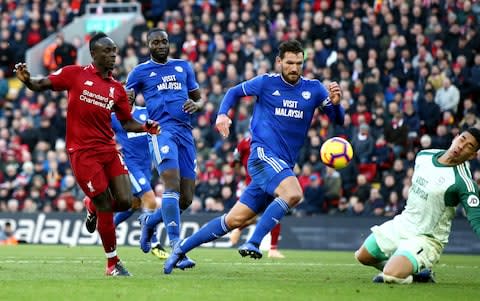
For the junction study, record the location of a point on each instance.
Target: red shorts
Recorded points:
(93, 169)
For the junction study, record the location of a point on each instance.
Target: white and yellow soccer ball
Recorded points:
(336, 152)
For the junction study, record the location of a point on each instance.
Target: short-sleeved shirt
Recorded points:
(165, 88)
(91, 100)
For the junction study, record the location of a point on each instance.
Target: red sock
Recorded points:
(89, 205)
(106, 229)
(275, 233)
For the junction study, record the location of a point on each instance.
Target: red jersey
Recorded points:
(242, 152)
(91, 100)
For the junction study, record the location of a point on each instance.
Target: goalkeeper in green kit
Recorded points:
(405, 248)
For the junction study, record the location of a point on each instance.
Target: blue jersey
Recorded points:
(283, 112)
(135, 146)
(165, 88)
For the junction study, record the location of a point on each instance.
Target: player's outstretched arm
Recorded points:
(36, 84)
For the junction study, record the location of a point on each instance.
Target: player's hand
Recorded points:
(191, 106)
(152, 127)
(22, 72)
(334, 93)
(222, 124)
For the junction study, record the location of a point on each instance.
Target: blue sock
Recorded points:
(214, 229)
(154, 218)
(171, 214)
(122, 216)
(272, 216)
(154, 239)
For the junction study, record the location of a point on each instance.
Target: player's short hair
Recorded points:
(95, 38)
(289, 46)
(475, 132)
(154, 30)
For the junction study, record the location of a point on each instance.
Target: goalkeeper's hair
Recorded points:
(475, 132)
(289, 46)
(95, 38)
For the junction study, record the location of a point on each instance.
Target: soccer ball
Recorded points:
(336, 152)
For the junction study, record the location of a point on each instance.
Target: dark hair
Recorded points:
(95, 38)
(289, 46)
(476, 134)
(154, 30)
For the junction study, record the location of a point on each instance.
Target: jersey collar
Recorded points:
(94, 70)
(157, 63)
(289, 84)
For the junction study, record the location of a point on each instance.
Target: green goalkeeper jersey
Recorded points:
(436, 191)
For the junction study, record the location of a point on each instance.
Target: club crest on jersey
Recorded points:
(112, 92)
(143, 117)
(473, 201)
(306, 95)
(90, 186)
(440, 181)
(179, 68)
(165, 149)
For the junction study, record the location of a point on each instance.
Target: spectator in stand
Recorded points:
(447, 96)
(363, 144)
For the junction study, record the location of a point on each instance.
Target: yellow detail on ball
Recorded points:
(336, 152)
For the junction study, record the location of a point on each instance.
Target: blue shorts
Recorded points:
(255, 198)
(267, 170)
(174, 152)
(140, 176)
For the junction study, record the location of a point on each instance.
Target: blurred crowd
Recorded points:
(409, 72)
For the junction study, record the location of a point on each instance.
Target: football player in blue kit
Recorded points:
(282, 115)
(171, 95)
(136, 153)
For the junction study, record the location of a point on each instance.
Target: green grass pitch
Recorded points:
(34, 272)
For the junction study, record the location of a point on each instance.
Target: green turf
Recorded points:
(64, 273)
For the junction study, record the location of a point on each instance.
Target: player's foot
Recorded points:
(274, 253)
(91, 218)
(159, 252)
(117, 270)
(146, 234)
(174, 258)
(185, 263)
(378, 278)
(425, 275)
(235, 236)
(249, 249)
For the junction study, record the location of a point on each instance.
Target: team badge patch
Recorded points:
(143, 117)
(440, 181)
(179, 68)
(142, 181)
(306, 95)
(473, 201)
(165, 149)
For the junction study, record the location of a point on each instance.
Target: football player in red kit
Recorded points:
(98, 167)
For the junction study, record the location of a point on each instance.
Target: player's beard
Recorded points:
(291, 78)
